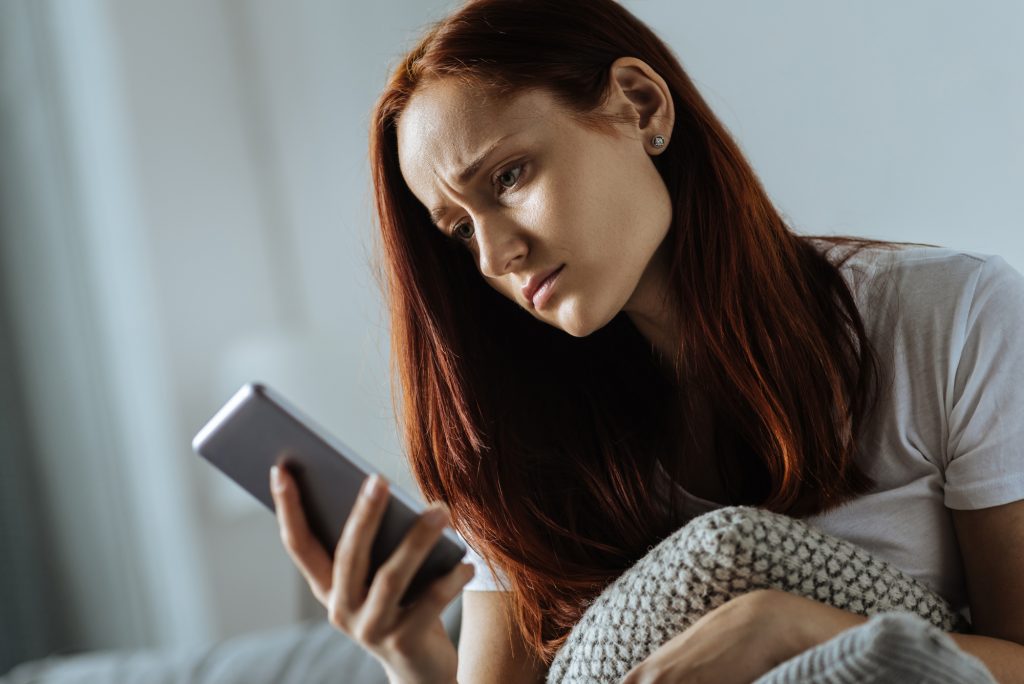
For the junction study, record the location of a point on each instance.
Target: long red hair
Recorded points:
(548, 448)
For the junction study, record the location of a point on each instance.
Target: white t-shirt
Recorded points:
(948, 431)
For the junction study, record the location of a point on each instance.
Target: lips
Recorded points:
(542, 293)
(534, 284)
(535, 281)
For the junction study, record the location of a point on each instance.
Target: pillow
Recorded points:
(720, 555)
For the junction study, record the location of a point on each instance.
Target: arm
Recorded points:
(992, 545)
(488, 651)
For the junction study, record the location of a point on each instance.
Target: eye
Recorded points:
(457, 236)
(500, 183)
(504, 180)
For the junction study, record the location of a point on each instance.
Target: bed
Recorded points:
(309, 652)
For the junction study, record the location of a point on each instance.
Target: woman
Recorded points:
(601, 326)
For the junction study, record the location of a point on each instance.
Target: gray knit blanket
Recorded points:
(738, 549)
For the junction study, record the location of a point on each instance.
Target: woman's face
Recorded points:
(548, 194)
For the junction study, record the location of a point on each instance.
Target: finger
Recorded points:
(435, 598)
(394, 575)
(305, 550)
(352, 553)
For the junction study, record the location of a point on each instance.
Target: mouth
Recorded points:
(543, 293)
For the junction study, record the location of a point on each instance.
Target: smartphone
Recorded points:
(258, 428)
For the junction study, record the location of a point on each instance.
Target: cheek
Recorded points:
(604, 204)
(609, 224)
(542, 212)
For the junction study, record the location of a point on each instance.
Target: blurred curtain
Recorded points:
(30, 596)
(30, 619)
(91, 532)
(36, 614)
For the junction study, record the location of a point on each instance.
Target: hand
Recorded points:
(733, 644)
(411, 642)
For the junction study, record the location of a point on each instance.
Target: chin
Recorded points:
(577, 322)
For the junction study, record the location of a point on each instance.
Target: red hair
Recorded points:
(546, 447)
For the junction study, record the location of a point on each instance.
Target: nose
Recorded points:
(500, 243)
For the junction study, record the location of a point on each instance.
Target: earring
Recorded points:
(658, 141)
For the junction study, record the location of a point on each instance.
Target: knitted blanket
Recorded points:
(890, 648)
(723, 554)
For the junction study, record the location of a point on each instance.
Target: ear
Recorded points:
(638, 91)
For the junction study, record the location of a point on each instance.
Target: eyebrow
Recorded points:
(467, 174)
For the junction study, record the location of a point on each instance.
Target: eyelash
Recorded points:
(494, 183)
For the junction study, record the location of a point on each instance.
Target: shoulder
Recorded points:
(911, 285)
(923, 267)
(952, 268)
(955, 289)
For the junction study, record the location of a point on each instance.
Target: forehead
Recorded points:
(445, 126)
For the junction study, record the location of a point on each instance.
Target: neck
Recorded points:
(655, 313)
(652, 307)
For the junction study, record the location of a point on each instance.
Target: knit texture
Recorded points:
(890, 648)
(721, 555)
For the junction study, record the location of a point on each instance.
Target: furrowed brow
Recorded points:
(467, 175)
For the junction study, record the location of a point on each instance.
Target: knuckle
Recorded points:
(288, 538)
(346, 542)
(296, 543)
(400, 643)
(356, 528)
(389, 581)
(359, 633)
(338, 617)
(373, 622)
(339, 612)
(366, 633)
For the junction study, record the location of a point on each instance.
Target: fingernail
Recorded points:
(275, 478)
(373, 487)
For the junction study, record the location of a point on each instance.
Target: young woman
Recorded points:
(601, 327)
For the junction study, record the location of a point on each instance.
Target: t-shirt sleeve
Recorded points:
(985, 448)
(483, 579)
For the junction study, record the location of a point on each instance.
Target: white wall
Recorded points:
(220, 148)
(899, 120)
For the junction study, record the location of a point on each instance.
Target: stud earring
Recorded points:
(658, 141)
